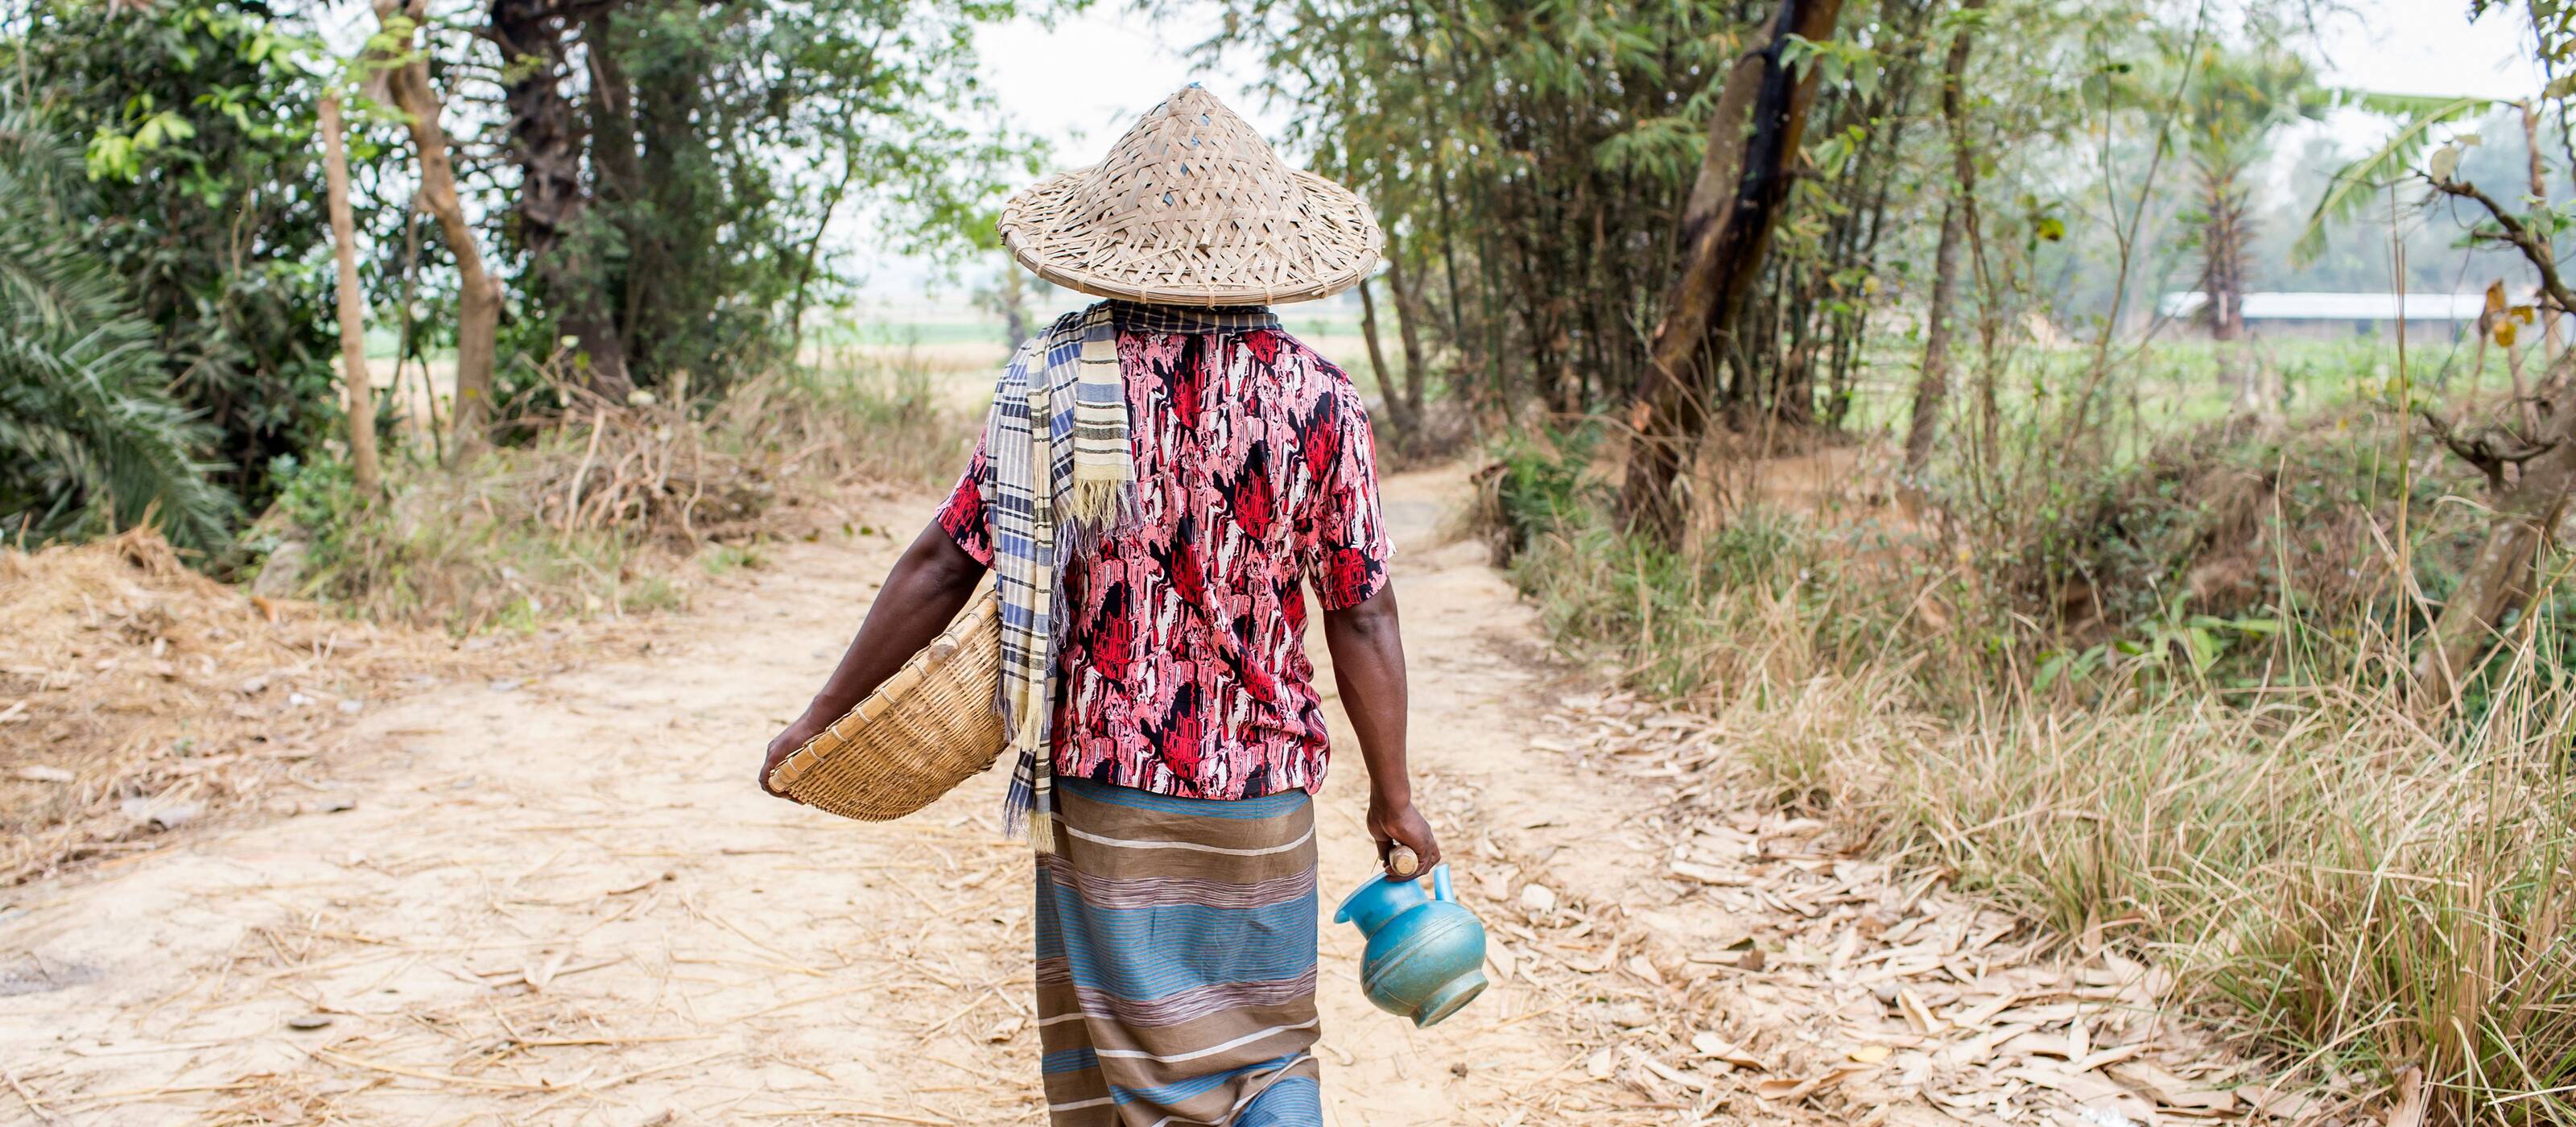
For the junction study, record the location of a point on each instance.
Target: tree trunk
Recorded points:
(478, 300)
(1408, 320)
(1932, 386)
(1932, 383)
(1793, 394)
(1395, 406)
(546, 145)
(1726, 227)
(2499, 580)
(2224, 240)
(359, 391)
(1015, 308)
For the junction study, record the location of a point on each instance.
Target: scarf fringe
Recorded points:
(1096, 505)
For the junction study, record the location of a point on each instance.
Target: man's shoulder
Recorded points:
(1297, 357)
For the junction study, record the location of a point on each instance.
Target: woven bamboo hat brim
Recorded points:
(1193, 208)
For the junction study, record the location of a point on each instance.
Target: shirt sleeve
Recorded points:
(1345, 543)
(962, 517)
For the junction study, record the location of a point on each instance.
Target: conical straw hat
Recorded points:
(1193, 208)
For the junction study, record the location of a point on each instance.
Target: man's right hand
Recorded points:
(785, 744)
(1393, 821)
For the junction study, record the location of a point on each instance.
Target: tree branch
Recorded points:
(2533, 246)
(2490, 449)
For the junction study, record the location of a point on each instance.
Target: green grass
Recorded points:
(2173, 385)
(724, 558)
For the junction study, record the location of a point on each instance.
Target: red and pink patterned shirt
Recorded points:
(1183, 669)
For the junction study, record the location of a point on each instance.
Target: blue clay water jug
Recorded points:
(1426, 953)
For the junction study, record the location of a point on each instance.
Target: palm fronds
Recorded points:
(90, 438)
(2355, 184)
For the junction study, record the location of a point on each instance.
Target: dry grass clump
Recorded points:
(2375, 891)
(2380, 894)
(2373, 895)
(137, 696)
(600, 507)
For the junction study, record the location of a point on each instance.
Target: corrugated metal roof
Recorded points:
(2337, 306)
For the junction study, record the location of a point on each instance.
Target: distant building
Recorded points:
(2318, 316)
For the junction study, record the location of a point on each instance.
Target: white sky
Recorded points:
(1126, 65)
(2430, 47)
(1081, 82)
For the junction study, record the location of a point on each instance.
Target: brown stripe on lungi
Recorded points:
(1176, 960)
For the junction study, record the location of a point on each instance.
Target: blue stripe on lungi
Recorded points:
(1070, 1060)
(1180, 1090)
(1184, 945)
(1290, 1101)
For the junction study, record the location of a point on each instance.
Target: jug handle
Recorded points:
(1440, 889)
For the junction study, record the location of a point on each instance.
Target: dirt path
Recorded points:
(563, 902)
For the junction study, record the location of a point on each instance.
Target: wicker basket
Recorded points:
(925, 730)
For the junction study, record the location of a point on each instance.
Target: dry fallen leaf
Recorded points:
(2084, 1087)
(1786, 1090)
(1599, 1065)
(1919, 1016)
(2279, 1104)
(1706, 874)
(2153, 1079)
(1978, 1017)
(2409, 1109)
(1537, 898)
(1669, 1073)
(2106, 1057)
(1714, 1047)
(2037, 1045)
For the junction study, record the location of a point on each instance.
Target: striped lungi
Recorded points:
(1176, 960)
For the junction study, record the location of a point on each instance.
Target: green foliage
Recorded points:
(2234, 99)
(1538, 485)
(196, 120)
(1485, 134)
(1682, 622)
(724, 141)
(90, 439)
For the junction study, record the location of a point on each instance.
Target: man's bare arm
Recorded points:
(1367, 644)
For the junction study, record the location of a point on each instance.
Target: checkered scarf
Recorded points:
(1064, 476)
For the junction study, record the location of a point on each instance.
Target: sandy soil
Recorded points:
(563, 901)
